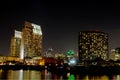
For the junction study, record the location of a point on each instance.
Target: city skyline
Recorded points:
(60, 21)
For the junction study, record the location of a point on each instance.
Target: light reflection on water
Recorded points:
(46, 75)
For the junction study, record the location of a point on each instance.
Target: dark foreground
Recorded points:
(95, 70)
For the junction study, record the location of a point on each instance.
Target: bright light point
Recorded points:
(68, 74)
(70, 52)
(72, 62)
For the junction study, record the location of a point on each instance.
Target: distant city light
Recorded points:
(72, 62)
(70, 52)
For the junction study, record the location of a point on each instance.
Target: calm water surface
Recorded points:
(46, 75)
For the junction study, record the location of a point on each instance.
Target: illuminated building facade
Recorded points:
(15, 44)
(27, 39)
(93, 44)
(36, 40)
(30, 41)
(115, 54)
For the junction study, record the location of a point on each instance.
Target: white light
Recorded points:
(37, 29)
(72, 62)
(22, 51)
(18, 34)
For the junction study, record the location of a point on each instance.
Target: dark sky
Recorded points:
(60, 21)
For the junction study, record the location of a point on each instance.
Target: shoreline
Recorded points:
(65, 69)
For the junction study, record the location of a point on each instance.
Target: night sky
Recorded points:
(60, 21)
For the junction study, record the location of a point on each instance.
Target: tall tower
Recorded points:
(15, 44)
(27, 43)
(36, 40)
(93, 44)
(27, 39)
(31, 44)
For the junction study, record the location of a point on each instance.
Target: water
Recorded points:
(46, 75)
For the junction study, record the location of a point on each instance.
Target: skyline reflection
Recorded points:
(46, 75)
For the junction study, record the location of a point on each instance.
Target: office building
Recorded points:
(30, 44)
(92, 45)
(31, 40)
(15, 44)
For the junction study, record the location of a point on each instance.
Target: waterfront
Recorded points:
(46, 75)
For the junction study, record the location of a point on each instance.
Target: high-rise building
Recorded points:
(15, 44)
(30, 41)
(93, 44)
